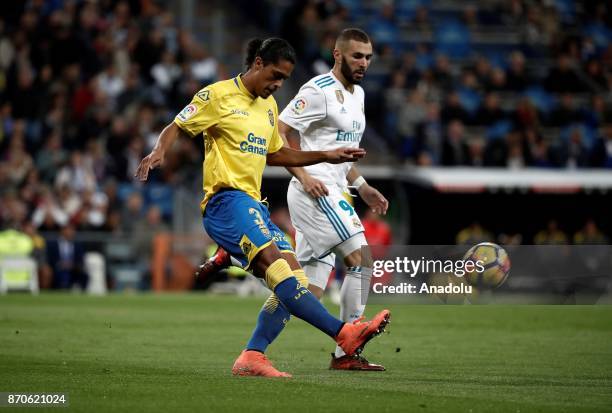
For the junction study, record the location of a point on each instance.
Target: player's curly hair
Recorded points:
(270, 51)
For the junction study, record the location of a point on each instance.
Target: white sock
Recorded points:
(353, 295)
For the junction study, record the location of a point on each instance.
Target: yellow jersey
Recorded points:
(239, 131)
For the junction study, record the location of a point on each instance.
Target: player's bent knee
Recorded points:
(350, 249)
(317, 273)
(353, 259)
(291, 259)
(277, 272)
(301, 277)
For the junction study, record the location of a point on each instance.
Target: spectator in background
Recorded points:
(602, 150)
(482, 70)
(132, 212)
(383, 28)
(66, 259)
(77, 175)
(132, 93)
(442, 73)
(474, 234)
(148, 52)
(598, 114)
(205, 69)
(166, 72)
(48, 214)
(411, 113)
(129, 160)
(596, 77)
(515, 154)
(51, 157)
(497, 81)
(23, 94)
(590, 234)
(476, 151)
(526, 115)
(111, 82)
(39, 253)
(517, 78)
(143, 234)
(92, 213)
(563, 78)
(421, 20)
(552, 235)
(96, 160)
(17, 158)
(455, 151)
(571, 153)
(453, 110)
(409, 69)
(430, 137)
(490, 111)
(537, 147)
(566, 113)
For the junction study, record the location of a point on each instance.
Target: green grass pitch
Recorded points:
(174, 353)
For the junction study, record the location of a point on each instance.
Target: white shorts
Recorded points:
(324, 226)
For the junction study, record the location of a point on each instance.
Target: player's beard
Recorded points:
(348, 74)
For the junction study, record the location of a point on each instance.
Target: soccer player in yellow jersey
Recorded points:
(239, 120)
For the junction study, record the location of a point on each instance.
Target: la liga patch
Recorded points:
(299, 105)
(188, 112)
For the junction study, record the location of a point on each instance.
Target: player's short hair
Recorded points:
(351, 34)
(270, 51)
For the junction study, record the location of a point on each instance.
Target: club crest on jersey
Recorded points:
(299, 105)
(187, 112)
(339, 96)
(271, 117)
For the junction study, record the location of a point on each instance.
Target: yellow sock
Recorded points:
(277, 272)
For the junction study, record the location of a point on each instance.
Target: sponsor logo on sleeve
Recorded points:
(204, 95)
(299, 105)
(188, 112)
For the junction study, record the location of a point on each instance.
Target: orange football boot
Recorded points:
(254, 363)
(355, 362)
(208, 272)
(354, 336)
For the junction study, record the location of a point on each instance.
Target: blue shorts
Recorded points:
(241, 225)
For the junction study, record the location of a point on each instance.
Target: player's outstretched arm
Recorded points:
(370, 195)
(291, 157)
(156, 157)
(313, 187)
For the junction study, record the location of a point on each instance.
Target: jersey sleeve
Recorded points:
(200, 114)
(276, 143)
(307, 106)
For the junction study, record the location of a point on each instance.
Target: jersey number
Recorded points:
(347, 207)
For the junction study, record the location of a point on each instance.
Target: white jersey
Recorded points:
(328, 117)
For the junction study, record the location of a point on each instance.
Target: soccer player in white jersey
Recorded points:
(327, 113)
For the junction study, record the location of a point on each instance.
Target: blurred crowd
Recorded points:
(86, 87)
(551, 234)
(497, 83)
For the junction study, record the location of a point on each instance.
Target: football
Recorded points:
(494, 265)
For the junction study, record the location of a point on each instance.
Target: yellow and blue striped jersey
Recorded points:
(239, 131)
